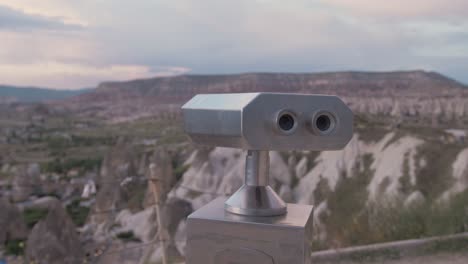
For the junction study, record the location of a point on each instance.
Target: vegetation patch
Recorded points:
(322, 191)
(34, 215)
(128, 236)
(369, 129)
(78, 213)
(347, 222)
(62, 166)
(374, 256)
(134, 193)
(14, 247)
(406, 187)
(433, 170)
(84, 141)
(58, 143)
(449, 245)
(385, 221)
(4, 176)
(172, 135)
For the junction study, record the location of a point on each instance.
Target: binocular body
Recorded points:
(255, 225)
(269, 121)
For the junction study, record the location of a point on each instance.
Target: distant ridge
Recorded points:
(419, 95)
(349, 83)
(35, 94)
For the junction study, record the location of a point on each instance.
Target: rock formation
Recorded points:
(12, 223)
(410, 94)
(54, 239)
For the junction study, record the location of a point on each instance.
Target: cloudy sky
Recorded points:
(70, 44)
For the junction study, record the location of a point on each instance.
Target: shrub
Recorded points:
(385, 221)
(346, 224)
(34, 215)
(128, 236)
(134, 193)
(14, 247)
(54, 166)
(436, 177)
(58, 143)
(78, 213)
(62, 166)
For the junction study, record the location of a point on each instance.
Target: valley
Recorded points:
(80, 165)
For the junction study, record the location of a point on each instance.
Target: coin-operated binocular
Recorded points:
(254, 225)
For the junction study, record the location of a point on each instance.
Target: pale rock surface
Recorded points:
(301, 168)
(279, 170)
(119, 164)
(319, 229)
(285, 193)
(388, 165)
(330, 165)
(142, 223)
(460, 175)
(414, 199)
(40, 203)
(89, 189)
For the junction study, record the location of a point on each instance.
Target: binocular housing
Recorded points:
(269, 121)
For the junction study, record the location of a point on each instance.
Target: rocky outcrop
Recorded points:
(117, 171)
(125, 201)
(159, 168)
(174, 212)
(12, 225)
(221, 172)
(143, 224)
(54, 239)
(25, 181)
(40, 203)
(391, 167)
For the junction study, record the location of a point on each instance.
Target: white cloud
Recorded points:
(40, 46)
(57, 9)
(18, 20)
(217, 36)
(398, 9)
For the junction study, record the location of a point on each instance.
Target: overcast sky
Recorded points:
(71, 44)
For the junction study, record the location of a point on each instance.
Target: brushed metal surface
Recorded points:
(256, 201)
(255, 197)
(286, 238)
(250, 121)
(257, 168)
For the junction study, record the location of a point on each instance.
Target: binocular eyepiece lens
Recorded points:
(323, 122)
(286, 122)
